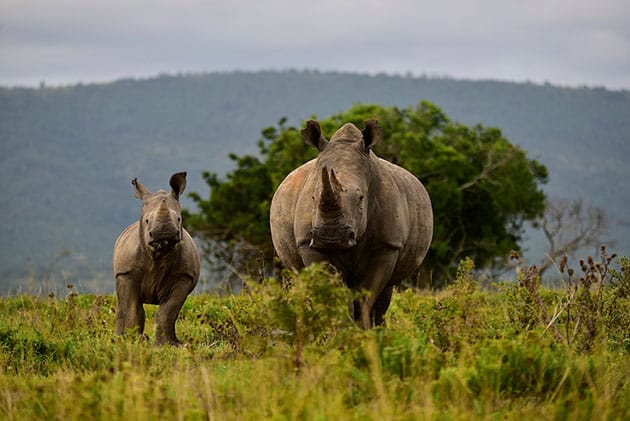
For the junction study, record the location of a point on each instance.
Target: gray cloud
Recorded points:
(568, 42)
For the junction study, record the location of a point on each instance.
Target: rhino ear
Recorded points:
(141, 191)
(372, 134)
(312, 135)
(178, 184)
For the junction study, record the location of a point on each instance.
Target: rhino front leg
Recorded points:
(376, 280)
(130, 312)
(167, 313)
(381, 305)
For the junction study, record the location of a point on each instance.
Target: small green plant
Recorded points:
(528, 303)
(616, 313)
(311, 306)
(457, 316)
(591, 310)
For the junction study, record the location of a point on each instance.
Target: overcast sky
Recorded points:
(564, 42)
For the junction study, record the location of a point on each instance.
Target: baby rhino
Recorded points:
(155, 262)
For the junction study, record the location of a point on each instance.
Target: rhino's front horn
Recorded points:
(329, 200)
(163, 210)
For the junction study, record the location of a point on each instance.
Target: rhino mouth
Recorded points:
(164, 244)
(345, 241)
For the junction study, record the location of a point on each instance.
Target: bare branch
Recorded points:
(486, 171)
(569, 227)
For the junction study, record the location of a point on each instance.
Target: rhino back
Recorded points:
(403, 216)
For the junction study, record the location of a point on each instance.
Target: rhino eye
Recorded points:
(146, 221)
(179, 219)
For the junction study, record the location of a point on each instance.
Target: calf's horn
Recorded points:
(162, 211)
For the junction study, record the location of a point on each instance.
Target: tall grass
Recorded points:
(291, 351)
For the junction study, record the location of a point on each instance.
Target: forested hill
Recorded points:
(69, 153)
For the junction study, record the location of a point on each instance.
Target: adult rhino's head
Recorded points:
(341, 192)
(161, 220)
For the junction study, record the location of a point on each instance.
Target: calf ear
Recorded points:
(312, 135)
(372, 134)
(178, 184)
(141, 191)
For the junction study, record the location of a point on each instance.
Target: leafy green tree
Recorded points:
(233, 222)
(482, 187)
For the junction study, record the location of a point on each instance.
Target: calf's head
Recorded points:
(161, 220)
(341, 192)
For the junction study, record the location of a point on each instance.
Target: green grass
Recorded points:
(284, 353)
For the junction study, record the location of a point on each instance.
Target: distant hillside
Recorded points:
(68, 154)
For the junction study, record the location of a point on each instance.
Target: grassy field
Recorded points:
(512, 351)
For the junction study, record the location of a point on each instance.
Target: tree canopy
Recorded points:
(482, 187)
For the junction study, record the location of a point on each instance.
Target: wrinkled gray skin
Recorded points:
(155, 262)
(371, 219)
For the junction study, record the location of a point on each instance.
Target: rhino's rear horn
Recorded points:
(335, 184)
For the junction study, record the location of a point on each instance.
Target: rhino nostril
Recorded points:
(351, 239)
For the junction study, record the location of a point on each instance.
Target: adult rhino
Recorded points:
(155, 262)
(370, 219)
